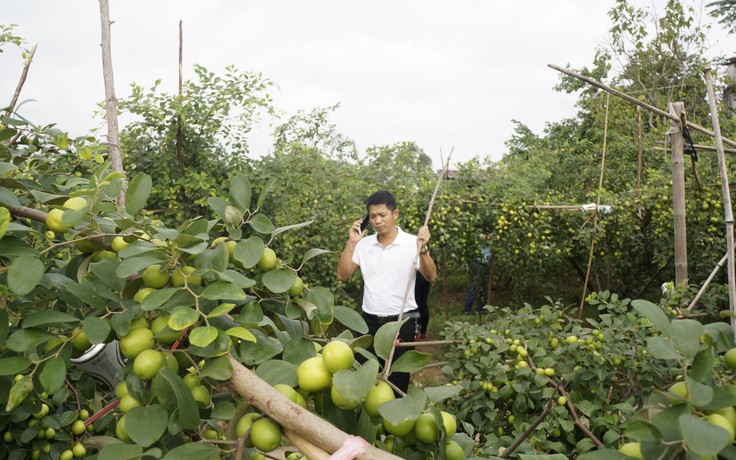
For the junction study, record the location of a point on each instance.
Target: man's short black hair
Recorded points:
(381, 197)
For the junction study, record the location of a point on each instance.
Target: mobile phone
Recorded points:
(364, 224)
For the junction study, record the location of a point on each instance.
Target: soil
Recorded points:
(431, 376)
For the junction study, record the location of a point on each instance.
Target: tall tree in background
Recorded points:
(725, 11)
(217, 114)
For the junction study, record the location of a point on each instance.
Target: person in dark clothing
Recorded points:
(421, 294)
(478, 288)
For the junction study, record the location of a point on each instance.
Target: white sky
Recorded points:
(444, 74)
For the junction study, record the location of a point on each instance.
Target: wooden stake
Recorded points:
(111, 102)
(677, 110)
(726, 195)
(638, 157)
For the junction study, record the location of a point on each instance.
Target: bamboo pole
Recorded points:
(179, 148)
(294, 418)
(111, 102)
(595, 216)
(701, 148)
(633, 100)
(726, 195)
(678, 190)
(712, 275)
(22, 81)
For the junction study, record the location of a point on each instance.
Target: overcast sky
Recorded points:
(444, 74)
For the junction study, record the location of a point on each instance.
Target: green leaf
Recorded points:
(133, 265)
(121, 451)
(685, 335)
(437, 394)
(603, 454)
(281, 230)
(182, 317)
(8, 198)
(261, 224)
(96, 329)
(354, 386)
(411, 361)
(146, 424)
(18, 392)
(654, 313)
(702, 367)
(220, 310)
(723, 396)
(661, 348)
(700, 394)
(248, 252)
(193, 451)
(213, 259)
(27, 339)
(223, 290)
(4, 221)
(240, 192)
(202, 336)
(279, 280)
(265, 191)
(217, 368)
(46, 317)
(138, 192)
(642, 430)
(24, 274)
(401, 409)
(167, 381)
(220, 346)
(218, 205)
(159, 297)
(385, 337)
(277, 371)
(701, 437)
(241, 333)
(312, 253)
(223, 410)
(53, 375)
(325, 302)
(14, 365)
(351, 319)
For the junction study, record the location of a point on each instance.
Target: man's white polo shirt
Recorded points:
(386, 273)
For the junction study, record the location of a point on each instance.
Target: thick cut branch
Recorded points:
(292, 417)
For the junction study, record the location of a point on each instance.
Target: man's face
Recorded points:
(383, 220)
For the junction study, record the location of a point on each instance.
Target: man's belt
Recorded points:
(389, 319)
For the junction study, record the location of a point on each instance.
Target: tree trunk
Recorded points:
(111, 102)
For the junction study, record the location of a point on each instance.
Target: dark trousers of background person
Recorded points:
(478, 288)
(421, 294)
(406, 334)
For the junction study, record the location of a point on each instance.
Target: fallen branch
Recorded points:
(292, 417)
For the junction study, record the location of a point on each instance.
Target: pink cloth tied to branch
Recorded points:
(351, 448)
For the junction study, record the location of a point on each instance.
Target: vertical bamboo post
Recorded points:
(111, 102)
(726, 193)
(638, 156)
(677, 109)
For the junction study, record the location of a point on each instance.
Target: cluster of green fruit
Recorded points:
(41, 435)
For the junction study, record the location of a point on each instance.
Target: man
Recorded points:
(478, 288)
(385, 261)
